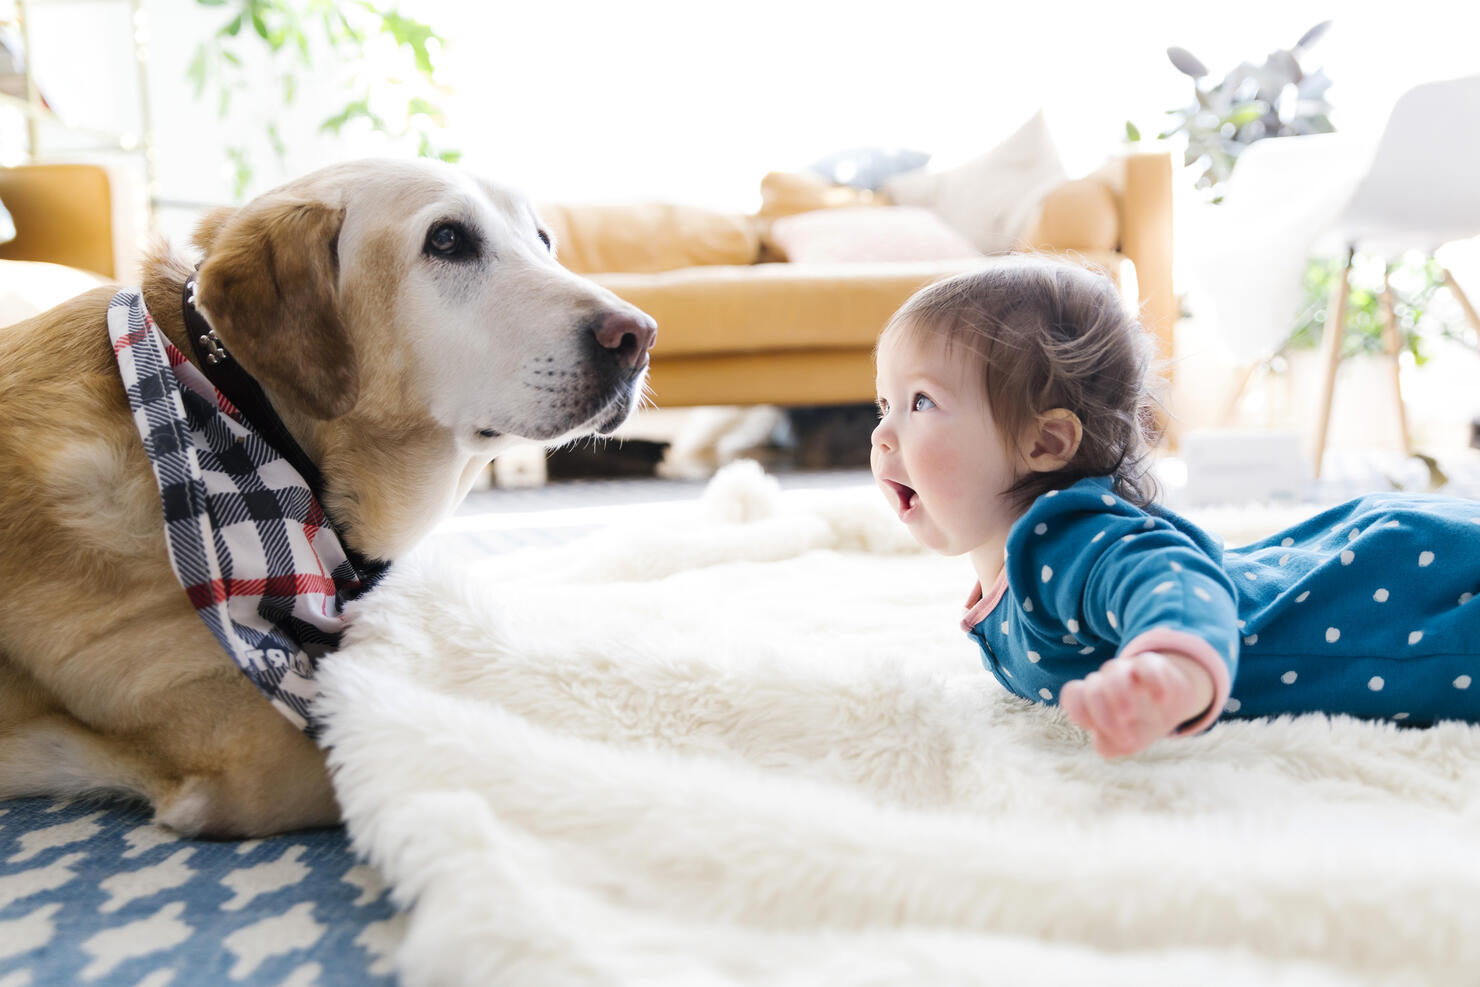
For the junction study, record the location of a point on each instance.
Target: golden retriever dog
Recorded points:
(406, 321)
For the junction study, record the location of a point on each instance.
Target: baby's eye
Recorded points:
(923, 402)
(882, 407)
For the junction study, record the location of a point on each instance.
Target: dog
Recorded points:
(402, 322)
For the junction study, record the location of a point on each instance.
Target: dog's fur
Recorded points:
(389, 362)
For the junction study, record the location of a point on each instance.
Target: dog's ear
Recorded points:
(209, 228)
(269, 287)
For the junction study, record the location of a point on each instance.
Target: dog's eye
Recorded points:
(449, 240)
(545, 239)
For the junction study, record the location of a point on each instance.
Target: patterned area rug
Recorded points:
(93, 894)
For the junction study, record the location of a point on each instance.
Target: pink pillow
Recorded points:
(869, 233)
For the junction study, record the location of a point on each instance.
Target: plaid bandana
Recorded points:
(247, 537)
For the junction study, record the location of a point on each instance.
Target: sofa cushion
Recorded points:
(767, 307)
(991, 199)
(785, 193)
(647, 237)
(868, 167)
(783, 308)
(1078, 215)
(861, 233)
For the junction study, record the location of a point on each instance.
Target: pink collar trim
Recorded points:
(979, 605)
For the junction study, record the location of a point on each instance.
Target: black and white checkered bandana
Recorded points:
(247, 538)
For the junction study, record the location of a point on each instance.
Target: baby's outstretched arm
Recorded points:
(1136, 700)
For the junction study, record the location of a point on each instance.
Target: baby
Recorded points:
(1015, 425)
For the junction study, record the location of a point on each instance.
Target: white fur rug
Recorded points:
(749, 745)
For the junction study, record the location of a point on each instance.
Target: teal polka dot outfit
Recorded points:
(1366, 609)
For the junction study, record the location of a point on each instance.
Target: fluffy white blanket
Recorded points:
(750, 745)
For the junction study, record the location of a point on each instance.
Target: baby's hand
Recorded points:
(1132, 702)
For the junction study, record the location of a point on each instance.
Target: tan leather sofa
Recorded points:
(735, 329)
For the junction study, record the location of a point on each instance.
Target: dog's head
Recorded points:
(411, 290)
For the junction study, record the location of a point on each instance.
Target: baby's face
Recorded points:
(937, 454)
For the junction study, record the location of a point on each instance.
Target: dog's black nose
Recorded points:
(629, 335)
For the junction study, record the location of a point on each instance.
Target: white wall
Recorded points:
(695, 101)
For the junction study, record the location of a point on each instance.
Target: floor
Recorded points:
(499, 520)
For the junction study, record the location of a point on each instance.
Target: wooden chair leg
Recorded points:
(1392, 347)
(1462, 298)
(1331, 340)
(1230, 406)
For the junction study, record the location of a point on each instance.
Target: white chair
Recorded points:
(1420, 191)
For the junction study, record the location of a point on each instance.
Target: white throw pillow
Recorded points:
(992, 198)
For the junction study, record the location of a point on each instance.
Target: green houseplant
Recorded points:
(1282, 97)
(1277, 98)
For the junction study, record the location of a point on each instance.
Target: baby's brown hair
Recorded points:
(1052, 334)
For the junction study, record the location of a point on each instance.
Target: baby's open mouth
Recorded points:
(907, 498)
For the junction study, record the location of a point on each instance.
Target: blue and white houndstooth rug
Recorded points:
(94, 894)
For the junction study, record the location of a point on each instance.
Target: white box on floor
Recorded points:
(1225, 466)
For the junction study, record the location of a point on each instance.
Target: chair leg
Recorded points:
(1230, 406)
(1462, 298)
(1464, 303)
(1331, 340)
(1392, 346)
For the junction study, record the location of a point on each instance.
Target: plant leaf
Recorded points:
(1186, 62)
(1310, 37)
(1247, 112)
(1132, 133)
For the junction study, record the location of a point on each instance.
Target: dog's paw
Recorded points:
(189, 808)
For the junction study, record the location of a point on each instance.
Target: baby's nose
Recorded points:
(880, 438)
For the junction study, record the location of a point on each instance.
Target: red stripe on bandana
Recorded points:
(203, 595)
(129, 339)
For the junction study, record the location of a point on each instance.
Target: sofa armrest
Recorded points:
(1146, 238)
(64, 214)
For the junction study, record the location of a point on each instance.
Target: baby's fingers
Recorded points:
(1113, 719)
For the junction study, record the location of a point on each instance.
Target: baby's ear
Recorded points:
(1052, 440)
